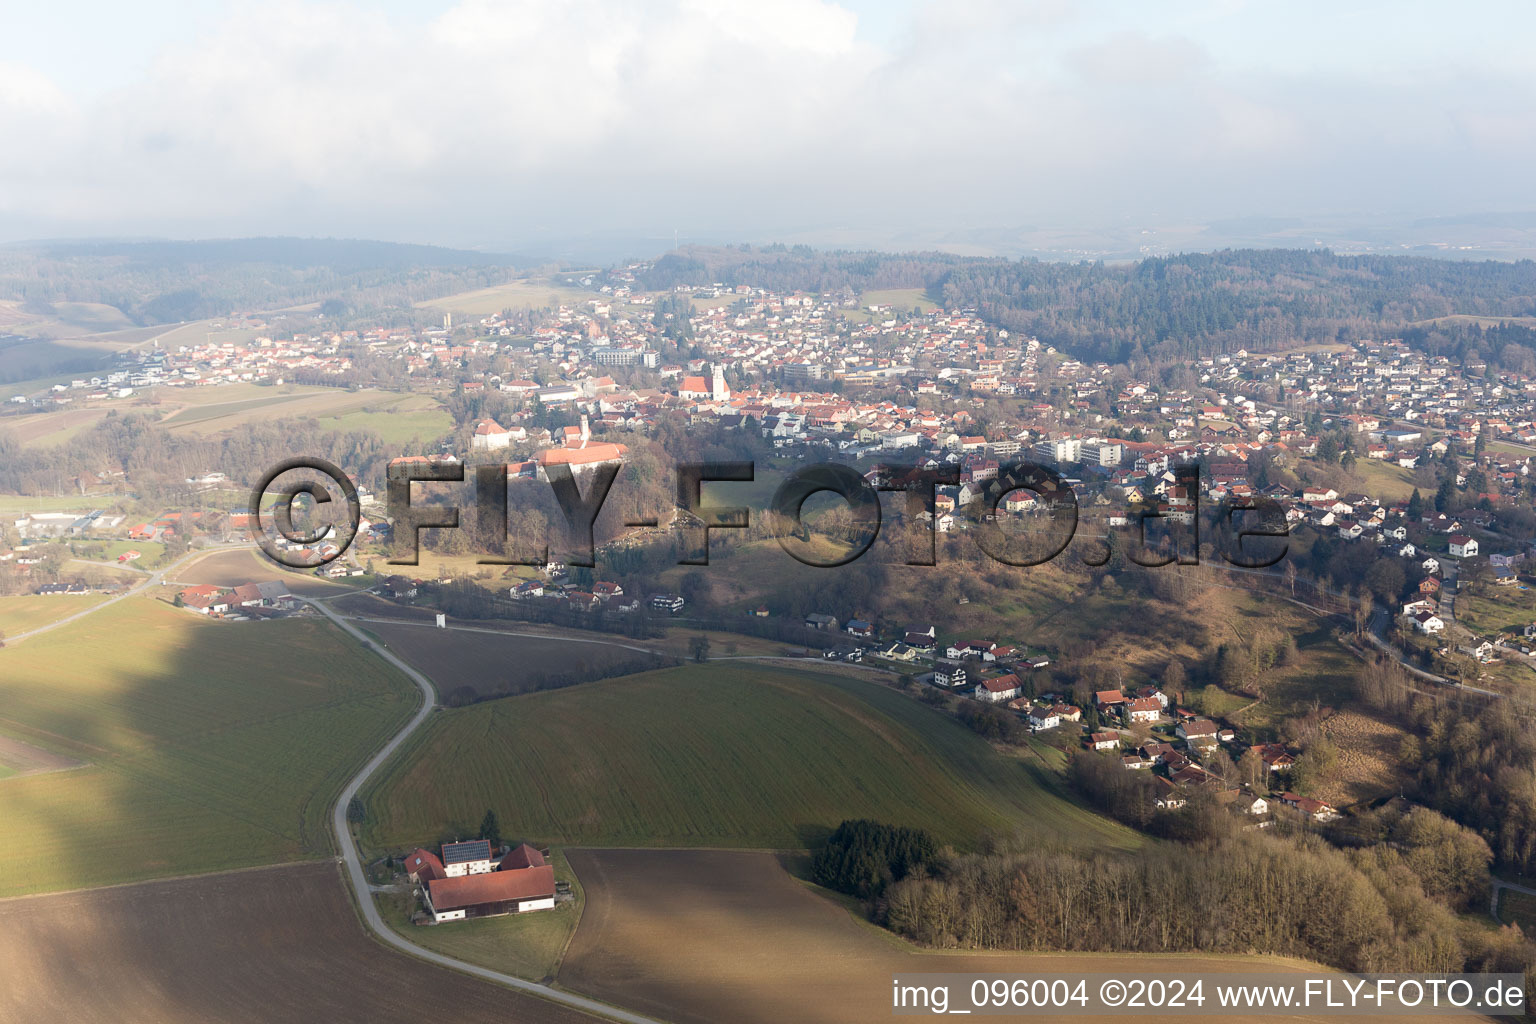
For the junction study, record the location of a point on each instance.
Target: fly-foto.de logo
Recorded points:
(1251, 532)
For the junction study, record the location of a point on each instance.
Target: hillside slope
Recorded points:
(704, 755)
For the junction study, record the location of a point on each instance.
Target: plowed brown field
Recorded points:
(267, 945)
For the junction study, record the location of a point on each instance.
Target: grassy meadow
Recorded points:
(1385, 481)
(1489, 609)
(20, 504)
(206, 745)
(27, 612)
(1518, 908)
(709, 755)
(397, 419)
(901, 301)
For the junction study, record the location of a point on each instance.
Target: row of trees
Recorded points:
(1362, 910)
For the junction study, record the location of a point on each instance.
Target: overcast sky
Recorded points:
(485, 122)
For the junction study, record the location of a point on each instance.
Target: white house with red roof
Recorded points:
(490, 436)
(998, 689)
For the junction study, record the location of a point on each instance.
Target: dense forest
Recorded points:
(167, 282)
(1170, 309)
(1247, 892)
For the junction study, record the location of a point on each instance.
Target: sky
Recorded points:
(485, 123)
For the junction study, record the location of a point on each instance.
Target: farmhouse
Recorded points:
(1275, 757)
(1428, 622)
(1202, 730)
(1142, 709)
(999, 689)
(1108, 700)
(1104, 741)
(205, 599)
(1170, 797)
(1043, 718)
(467, 881)
(1315, 809)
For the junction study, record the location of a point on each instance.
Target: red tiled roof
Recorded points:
(523, 856)
(493, 887)
(598, 452)
(424, 864)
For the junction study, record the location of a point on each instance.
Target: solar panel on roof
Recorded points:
(473, 849)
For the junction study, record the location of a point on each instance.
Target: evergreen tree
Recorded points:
(1445, 494)
(490, 828)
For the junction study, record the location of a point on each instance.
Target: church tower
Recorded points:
(717, 389)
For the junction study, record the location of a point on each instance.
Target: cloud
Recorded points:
(495, 118)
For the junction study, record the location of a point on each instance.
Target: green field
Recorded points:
(94, 316)
(208, 745)
(151, 552)
(44, 358)
(22, 503)
(1383, 480)
(27, 612)
(397, 419)
(745, 756)
(1488, 609)
(528, 945)
(228, 406)
(1518, 908)
(901, 301)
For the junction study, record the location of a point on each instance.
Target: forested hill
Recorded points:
(1164, 309)
(165, 281)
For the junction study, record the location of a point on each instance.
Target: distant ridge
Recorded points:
(343, 255)
(159, 281)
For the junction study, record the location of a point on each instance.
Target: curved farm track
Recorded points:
(266, 945)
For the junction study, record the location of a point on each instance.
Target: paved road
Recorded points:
(504, 632)
(360, 887)
(151, 579)
(567, 638)
(1499, 885)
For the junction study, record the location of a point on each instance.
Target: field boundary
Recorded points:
(168, 878)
